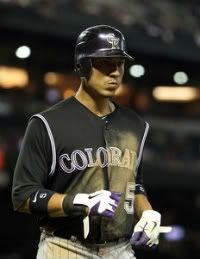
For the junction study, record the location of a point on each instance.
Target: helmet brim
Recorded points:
(115, 53)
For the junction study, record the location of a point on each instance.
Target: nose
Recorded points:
(116, 70)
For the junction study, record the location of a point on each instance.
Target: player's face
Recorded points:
(106, 75)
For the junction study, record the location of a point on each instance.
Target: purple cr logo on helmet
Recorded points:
(98, 41)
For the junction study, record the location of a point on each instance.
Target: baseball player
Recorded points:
(79, 168)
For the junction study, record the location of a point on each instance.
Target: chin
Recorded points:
(109, 93)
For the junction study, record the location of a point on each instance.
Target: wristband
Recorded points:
(139, 189)
(38, 204)
(72, 210)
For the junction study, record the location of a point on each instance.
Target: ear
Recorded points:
(78, 69)
(84, 68)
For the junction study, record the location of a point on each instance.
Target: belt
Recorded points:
(88, 242)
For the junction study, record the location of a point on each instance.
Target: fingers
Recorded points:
(112, 204)
(139, 239)
(104, 202)
(109, 214)
(135, 237)
(116, 196)
(153, 243)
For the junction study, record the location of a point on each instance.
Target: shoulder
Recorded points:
(57, 110)
(60, 106)
(127, 119)
(130, 114)
(35, 127)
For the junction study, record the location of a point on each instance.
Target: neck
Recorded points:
(101, 106)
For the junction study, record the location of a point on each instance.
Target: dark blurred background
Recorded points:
(37, 41)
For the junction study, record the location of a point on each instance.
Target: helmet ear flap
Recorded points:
(84, 67)
(77, 68)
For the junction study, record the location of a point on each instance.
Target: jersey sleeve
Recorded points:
(32, 167)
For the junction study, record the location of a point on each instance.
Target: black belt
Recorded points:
(67, 235)
(101, 244)
(87, 242)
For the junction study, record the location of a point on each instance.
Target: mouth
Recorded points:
(113, 84)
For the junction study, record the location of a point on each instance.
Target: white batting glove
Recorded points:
(146, 231)
(101, 202)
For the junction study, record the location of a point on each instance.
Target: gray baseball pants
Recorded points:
(52, 247)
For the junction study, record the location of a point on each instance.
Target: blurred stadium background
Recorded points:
(36, 71)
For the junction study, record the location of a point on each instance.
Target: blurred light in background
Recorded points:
(179, 94)
(51, 78)
(68, 92)
(177, 233)
(23, 52)
(180, 78)
(52, 95)
(122, 90)
(124, 94)
(65, 83)
(168, 36)
(13, 77)
(153, 30)
(137, 70)
(5, 108)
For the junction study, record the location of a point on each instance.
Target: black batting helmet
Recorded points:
(98, 41)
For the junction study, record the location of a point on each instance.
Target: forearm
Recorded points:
(55, 205)
(141, 204)
(54, 208)
(47, 203)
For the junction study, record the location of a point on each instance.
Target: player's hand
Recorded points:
(99, 203)
(146, 231)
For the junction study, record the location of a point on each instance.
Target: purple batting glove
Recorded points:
(101, 202)
(107, 205)
(139, 239)
(115, 196)
(146, 231)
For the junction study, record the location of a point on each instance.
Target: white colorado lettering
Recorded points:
(83, 159)
(115, 156)
(103, 151)
(128, 159)
(91, 162)
(62, 163)
(109, 156)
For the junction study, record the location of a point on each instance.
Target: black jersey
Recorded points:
(69, 149)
